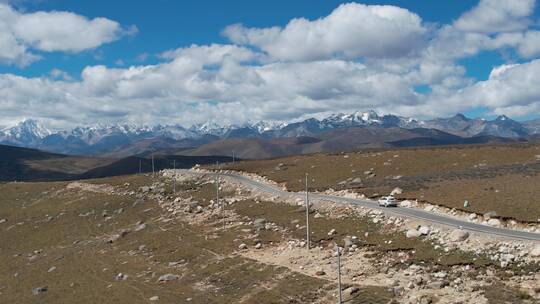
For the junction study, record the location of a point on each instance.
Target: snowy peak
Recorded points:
(501, 118)
(27, 131)
(263, 126)
(351, 119)
(30, 128)
(210, 128)
(106, 137)
(369, 118)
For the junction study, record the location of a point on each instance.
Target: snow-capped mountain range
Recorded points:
(105, 138)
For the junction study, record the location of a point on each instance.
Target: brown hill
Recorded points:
(347, 139)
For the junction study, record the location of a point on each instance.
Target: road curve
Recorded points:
(398, 211)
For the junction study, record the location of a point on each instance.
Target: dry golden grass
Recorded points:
(66, 229)
(444, 175)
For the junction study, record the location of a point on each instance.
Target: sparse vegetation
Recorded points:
(491, 178)
(110, 240)
(57, 238)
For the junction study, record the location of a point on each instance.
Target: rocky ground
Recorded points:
(453, 266)
(166, 239)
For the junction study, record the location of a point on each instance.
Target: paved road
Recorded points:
(404, 212)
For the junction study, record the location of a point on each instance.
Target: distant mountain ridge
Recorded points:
(25, 164)
(103, 139)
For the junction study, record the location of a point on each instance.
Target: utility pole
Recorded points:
(174, 176)
(307, 215)
(217, 183)
(217, 195)
(152, 165)
(140, 166)
(339, 274)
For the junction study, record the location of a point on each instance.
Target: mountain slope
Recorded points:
(14, 164)
(23, 164)
(339, 140)
(120, 140)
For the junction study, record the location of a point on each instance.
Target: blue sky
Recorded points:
(442, 65)
(169, 24)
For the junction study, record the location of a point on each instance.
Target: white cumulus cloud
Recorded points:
(492, 16)
(351, 30)
(21, 33)
(358, 57)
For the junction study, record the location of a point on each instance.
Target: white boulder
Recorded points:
(494, 222)
(412, 233)
(424, 230)
(458, 235)
(535, 252)
(396, 191)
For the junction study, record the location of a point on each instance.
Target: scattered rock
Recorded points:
(412, 233)
(124, 232)
(494, 222)
(242, 246)
(121, 277)
(332, 232)
(280, 166)
(458, 235)
(320, 272)
(3, 220)
(426, 299)
(139, 227)
(472, 216)
(347, 242)
(39, 290)
(259, 223)
(406, 204)
(154, 298)
(137, 202)
(424, 230)
(350, 293)
(490, 214)
(258, 246)
(168, 277)
(398, 290)
(438, 284)
(53, 268)
(429, 208)
(356, 180)
(396, 191)
(535, 252)
(89, 213)
(440, 275)
(113, 238)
